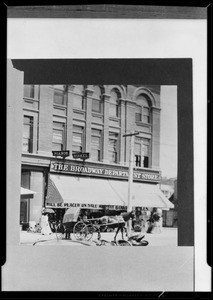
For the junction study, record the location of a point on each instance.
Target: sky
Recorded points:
(168, 131)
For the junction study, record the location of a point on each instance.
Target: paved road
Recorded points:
(168, 237)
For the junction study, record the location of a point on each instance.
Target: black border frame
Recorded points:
(135, 71)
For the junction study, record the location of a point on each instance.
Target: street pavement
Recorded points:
(168, 237)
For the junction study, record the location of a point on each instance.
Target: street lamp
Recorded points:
(130, 179)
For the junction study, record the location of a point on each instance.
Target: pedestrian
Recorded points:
(160, 222)
(144, 217)
(151, 223)
(156, 220)
(45, 227)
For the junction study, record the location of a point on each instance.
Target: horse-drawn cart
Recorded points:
(74, 221)
(83, 228)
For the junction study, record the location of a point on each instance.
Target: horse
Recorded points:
(117, 222)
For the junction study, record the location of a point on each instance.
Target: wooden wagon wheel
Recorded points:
(89, 229)
(79, 230)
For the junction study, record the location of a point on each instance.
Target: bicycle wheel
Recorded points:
(79, 230)
(89, 229)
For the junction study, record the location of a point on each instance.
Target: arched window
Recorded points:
(114, 108)
(142, 113)
(97, 102)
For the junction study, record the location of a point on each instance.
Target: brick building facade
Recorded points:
(86, 118)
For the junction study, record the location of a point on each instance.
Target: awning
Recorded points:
(26, 193)
(67, 191)
(143, 194)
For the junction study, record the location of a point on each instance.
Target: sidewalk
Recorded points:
(168, 237)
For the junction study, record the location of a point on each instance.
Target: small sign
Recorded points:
(62, 153)
(81, 155)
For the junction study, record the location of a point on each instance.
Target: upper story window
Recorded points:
(146, 153)
(27, 141)
(138, 153)
(58, 141)
(29, 91)
(60, 94)
(78, 97)
(142, 113)
(97, 101)
(114, 108)
(113, 147)
(96, 145)
(142, 152)
(78, 139)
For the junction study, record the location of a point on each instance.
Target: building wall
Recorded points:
(44, 112)
(36, 203)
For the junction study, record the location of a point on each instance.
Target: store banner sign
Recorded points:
(84, 205)
(99, 171)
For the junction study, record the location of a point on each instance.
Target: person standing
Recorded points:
(45, 227)
(157, 220)
(160, 222)
(146, 216)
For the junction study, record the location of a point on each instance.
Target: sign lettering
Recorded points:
(63, 153)
(81, 155)
(99, 171)
(84, 205)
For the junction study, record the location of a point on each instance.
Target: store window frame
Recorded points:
(29, 139)
(80, 130)
(29, 91)
(61, 129)
(141, 160)
(114, 104)
(141, 111)
(82, 100)
(60, 93)
(97, 133)
(98, 101)
(114, 137)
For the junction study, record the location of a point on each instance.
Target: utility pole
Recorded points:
(130, 180)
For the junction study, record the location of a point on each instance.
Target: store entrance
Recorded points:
(24, 211)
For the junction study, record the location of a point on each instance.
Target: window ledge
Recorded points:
(59, 105)
(31, 99)
(143, 124)
(79, 110)
(114, 118)
(97, 114)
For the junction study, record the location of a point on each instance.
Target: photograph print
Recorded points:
(99, 165)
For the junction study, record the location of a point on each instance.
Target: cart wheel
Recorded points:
(79, 231)
(89, 229)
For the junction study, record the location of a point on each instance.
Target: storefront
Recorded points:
(100, 186)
